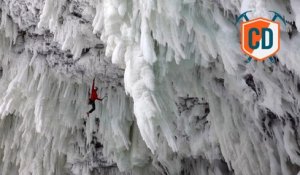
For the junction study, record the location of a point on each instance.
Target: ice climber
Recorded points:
(93, 96)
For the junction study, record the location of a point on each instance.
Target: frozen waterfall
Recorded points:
(180, 99)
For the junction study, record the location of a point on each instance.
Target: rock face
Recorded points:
(179, 97)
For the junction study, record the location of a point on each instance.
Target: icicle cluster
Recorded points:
(180, 97)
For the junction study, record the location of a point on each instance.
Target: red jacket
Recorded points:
(94, 95)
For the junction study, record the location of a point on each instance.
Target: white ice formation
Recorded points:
(180, 97)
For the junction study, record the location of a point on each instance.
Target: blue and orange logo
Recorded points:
(260, 37)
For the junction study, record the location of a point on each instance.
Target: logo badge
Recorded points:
(260, 37)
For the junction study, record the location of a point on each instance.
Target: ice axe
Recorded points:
(277, 15)
(243, 15)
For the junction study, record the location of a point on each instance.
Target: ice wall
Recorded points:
(180, 97)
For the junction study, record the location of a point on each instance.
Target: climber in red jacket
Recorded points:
(93, 96)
